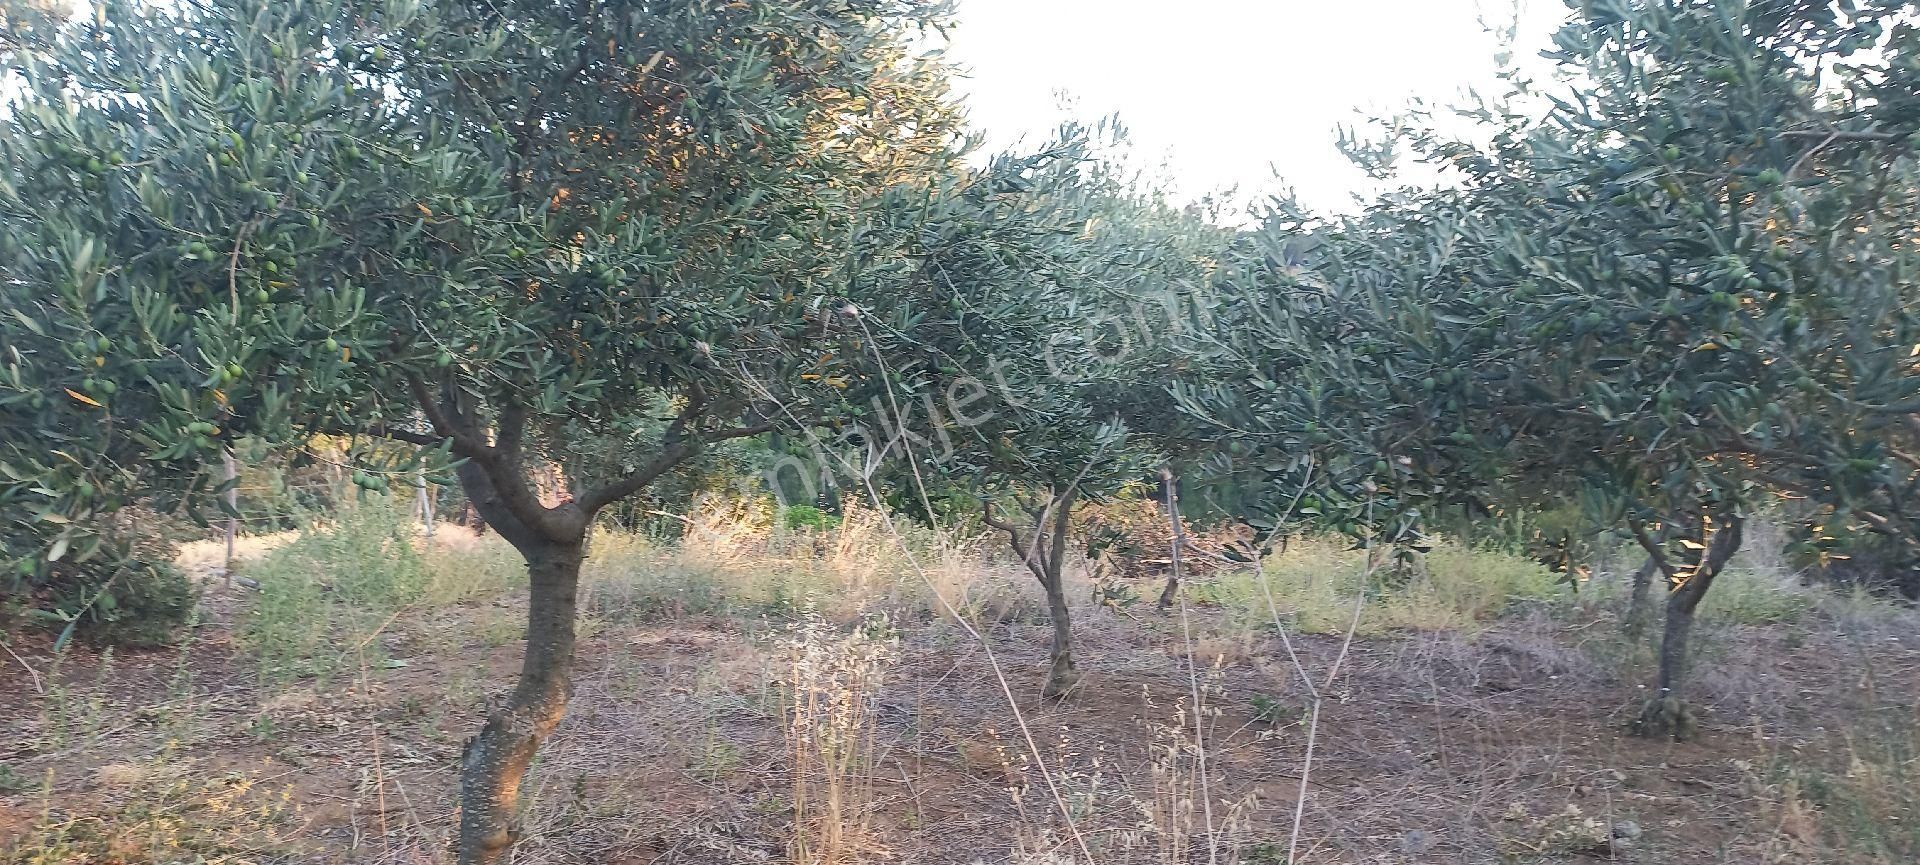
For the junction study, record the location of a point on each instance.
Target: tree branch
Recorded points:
(1654, 552)
(676, 446)
(1840, 135)
(672, 455)
(464, 442)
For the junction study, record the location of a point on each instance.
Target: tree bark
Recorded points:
(1640, 602)
(1667, 714)
(1061, 674)
(553, 542)
(496, 760)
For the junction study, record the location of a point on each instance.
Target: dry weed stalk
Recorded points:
(833, 681)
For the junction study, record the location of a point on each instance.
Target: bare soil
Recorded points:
(1431, 747)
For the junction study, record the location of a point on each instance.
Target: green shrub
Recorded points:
(127, 593)
(809, 518)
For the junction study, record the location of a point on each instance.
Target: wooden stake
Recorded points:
(233, 507)
(1179, 535)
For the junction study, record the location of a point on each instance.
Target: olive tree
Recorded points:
(472, 228)
(987, 380)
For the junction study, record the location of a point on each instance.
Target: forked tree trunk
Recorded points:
(552, 540)
(496, 760)
(1042, 547)
(1667, 714)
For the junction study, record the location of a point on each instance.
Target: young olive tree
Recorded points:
(479, 229)
(982, 378)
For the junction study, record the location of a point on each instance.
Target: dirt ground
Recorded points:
(1502, 745)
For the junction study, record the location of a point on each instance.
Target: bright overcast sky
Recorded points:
(1228, 91)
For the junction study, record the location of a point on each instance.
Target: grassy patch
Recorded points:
(160, 811)
(1315, 584)
(1755, 597)
(330, 590)
(735, 560)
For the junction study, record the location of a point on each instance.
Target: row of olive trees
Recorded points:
(1675, 296)
(608, 236)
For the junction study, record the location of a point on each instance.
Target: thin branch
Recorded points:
(31, 672)
(1841, 134)
(676, 447)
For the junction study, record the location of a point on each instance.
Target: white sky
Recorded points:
(1226, 92)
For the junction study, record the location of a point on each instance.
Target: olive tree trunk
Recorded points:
(1061, 674)
(496, 759)
(499, 485)
(1042, 547)
(1667, 713)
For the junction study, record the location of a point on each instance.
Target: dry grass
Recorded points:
(734, 560)
(831, 686)
(166, 809)
(732, 708)
(1315, 582)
